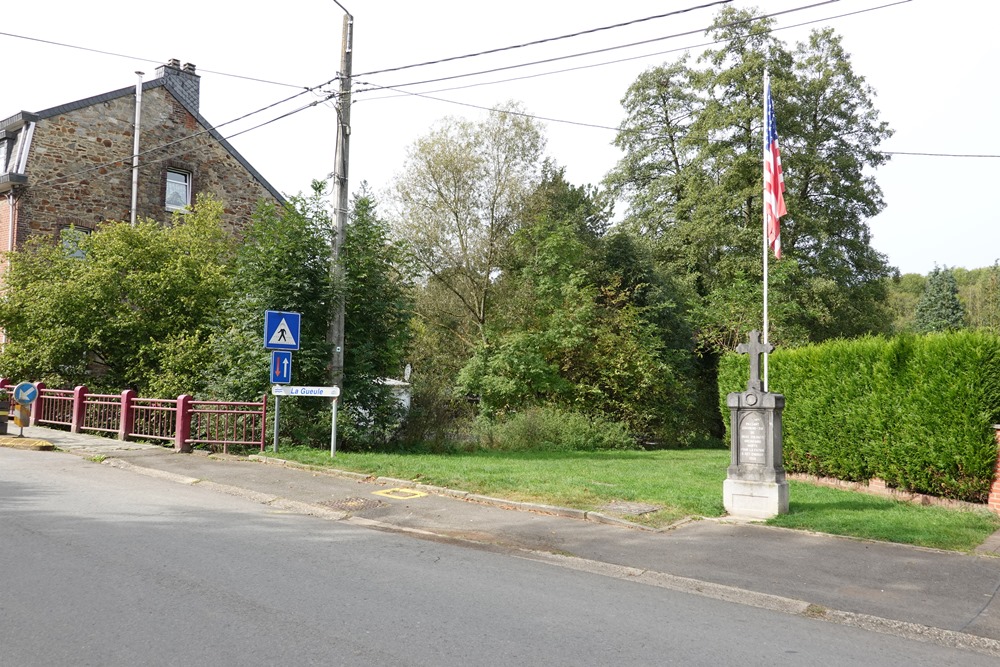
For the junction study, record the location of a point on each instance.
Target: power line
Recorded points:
(547, 39)
(114, 163)
(429, 94)
(592, 52)
(972, 155)
(141, 59)
(617, 61)
(515, 113)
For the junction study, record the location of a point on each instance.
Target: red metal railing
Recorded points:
(56, 409)
(102, 412)
(183, 420)
(227, 424)
(154, 419)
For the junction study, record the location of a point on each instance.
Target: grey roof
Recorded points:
(19, 119)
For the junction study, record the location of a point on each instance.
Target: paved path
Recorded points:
(924, 594)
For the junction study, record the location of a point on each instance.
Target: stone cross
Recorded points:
(754, 348)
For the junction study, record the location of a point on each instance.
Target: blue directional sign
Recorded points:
(281, 367)
(25, 393)
(281, 330)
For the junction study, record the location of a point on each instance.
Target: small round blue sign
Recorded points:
(25, 393)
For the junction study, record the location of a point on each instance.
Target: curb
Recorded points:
(32, 444)
(552, 510)
(722, 592)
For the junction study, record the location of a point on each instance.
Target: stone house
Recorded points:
(72, 165)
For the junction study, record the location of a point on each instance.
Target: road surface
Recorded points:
(100, 566)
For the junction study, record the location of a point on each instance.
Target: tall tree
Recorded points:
(939, 308)
(459, 199)
(377, 321)
(586, 324)
(282, 264)
(692, 171)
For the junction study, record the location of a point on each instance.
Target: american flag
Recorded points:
(774, 182)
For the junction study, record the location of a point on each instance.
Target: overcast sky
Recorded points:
(933, 66)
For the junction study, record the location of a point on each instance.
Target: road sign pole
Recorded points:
(333, 429)
(277, 411)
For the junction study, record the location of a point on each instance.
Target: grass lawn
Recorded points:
(681, 482)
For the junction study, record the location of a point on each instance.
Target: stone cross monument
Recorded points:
(755, 485)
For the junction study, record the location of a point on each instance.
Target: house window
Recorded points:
(72, 239)
(178, 190)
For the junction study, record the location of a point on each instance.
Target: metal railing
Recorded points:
(183, 420)
(154, 419)
(214, 422)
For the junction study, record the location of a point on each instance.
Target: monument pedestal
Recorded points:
(755, 486)
(755, 500)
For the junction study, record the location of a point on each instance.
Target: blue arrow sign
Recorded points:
(281, 367)
(25, 393)
(281, 330)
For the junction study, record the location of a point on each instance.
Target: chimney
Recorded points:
(182, 82)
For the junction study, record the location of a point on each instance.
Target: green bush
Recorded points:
(916, 411)
(553, 430)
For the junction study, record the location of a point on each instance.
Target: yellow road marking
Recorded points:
(400, 494)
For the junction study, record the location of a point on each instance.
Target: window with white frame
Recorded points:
(178, 190)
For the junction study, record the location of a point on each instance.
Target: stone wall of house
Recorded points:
(80, 166)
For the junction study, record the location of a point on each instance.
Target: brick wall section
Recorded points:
(994, 500)
(5, 214)
(4, 221)
(100, 137)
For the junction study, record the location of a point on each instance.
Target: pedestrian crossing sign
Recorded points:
(281, 330)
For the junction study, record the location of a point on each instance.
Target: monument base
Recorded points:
(755, 500)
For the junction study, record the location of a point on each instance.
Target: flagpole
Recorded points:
(764, 247)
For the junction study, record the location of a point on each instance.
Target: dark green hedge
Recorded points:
(916, 411)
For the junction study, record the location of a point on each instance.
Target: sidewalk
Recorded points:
(913, 592)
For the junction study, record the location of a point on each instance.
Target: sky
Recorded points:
(933, 67)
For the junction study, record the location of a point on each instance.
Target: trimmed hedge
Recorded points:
(916, 411)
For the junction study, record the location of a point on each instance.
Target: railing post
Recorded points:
(127, 419)
(183, 429)
(79, 408)
(263, 421)
(36, 407)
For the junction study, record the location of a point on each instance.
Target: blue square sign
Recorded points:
(281, 367)
(281, 330)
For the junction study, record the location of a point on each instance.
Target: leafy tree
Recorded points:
(979, 292)
(283, 264)
(117, 307)
(459, 200)
(939, 308)
(377, 321)
(903, 293)
(691, 176)
(585, 324)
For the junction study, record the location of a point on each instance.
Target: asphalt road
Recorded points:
(99, 566)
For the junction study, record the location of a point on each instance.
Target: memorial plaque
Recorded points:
(752, 440)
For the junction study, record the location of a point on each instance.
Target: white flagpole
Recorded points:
(764, 226)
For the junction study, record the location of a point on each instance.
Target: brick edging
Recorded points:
(878, 487)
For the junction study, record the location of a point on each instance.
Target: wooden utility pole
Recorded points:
(336, 333)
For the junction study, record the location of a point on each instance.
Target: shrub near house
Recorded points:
(917, 412)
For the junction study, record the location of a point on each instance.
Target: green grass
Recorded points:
(862, 515)
(682, 482)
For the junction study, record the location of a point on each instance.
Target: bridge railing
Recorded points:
(183, 421)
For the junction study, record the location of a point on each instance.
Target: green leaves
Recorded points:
(915, 411)
(939, 308)
(691, 176)
(112, 316)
